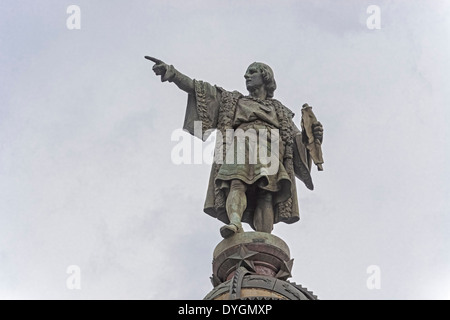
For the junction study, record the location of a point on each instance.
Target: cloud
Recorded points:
(85, 127)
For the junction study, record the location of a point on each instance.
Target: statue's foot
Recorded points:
(229, 230)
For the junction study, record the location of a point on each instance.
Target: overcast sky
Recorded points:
(87, 179)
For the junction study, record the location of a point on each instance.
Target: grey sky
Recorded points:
(86, 176)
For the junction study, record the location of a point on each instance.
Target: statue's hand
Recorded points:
(161, 69)
(318, 131)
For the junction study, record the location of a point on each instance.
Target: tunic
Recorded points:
(230, 112)
(255, 119)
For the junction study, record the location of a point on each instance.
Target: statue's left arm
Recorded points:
(301, 159)
(302, 156)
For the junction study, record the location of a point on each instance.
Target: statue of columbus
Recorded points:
(249, 188)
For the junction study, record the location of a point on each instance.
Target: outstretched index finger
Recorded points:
(157, 61)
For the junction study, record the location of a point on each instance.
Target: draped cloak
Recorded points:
(223, 110)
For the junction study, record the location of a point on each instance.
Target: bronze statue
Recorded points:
(250, 191)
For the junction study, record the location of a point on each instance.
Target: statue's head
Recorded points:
(259, 73)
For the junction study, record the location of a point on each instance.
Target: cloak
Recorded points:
(216, 107)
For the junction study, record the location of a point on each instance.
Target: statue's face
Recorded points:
(253, 78)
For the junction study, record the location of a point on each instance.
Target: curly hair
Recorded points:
(268, 77)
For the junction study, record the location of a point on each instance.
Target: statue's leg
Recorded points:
(263, 217)
(235, 206)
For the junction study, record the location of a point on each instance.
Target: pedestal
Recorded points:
(254, 265)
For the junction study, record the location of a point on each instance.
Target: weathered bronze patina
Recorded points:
(251, 190)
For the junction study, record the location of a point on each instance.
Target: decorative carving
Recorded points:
(261, 253)
(236, 283)
(246, 286)
(243, 258)
(285, 270)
